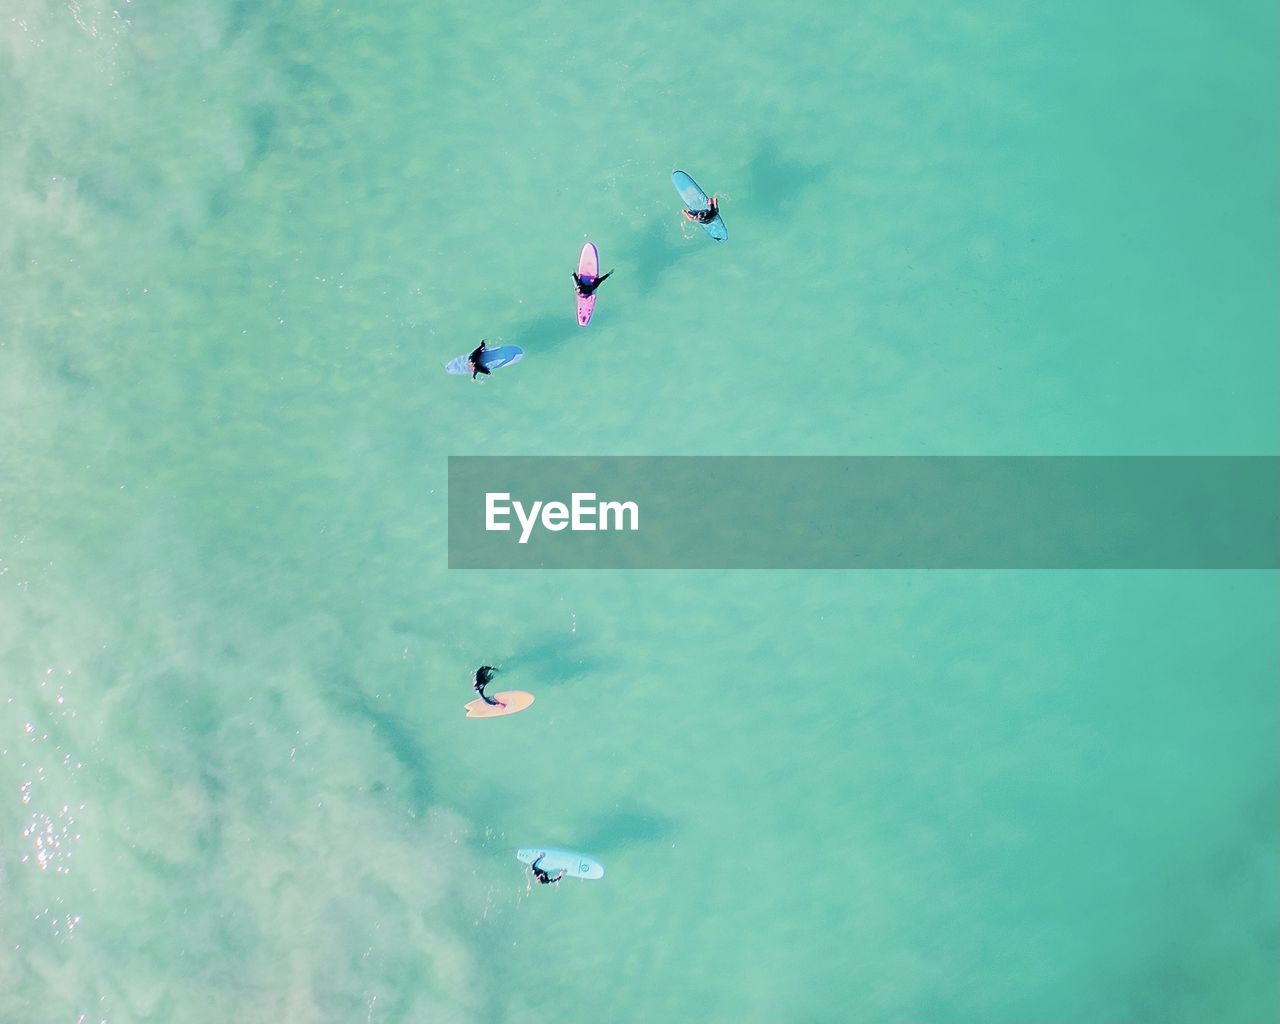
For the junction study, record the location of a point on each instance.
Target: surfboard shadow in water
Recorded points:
(655, 250)
(776, 180)
(555, 662)
(626, 826)
(546, 332)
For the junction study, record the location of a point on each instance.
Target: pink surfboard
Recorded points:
(512, 700)
(588, 266)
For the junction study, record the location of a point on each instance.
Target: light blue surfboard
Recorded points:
(695, 199)
(493, 358)
(575, 865)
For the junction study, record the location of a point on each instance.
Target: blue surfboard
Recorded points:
(574, 865)
(695, 199)
(493, 359)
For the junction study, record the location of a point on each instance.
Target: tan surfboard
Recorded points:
(515, 700)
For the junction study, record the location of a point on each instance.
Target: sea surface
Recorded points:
(237, 242)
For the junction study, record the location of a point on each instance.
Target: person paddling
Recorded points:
(482, 678)
(476, 366)
(704, 216)
(586, 284)
(543, 877)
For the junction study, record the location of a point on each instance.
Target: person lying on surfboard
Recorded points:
(473, 361)
(587, 285)
(542, 876)
(484, 676)
(705, 216)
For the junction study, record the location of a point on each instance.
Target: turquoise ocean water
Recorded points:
(236, 243)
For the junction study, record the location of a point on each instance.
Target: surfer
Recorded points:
(704, 216)
(473, 361)
(586, 284)
(542, 876)
(482, 678)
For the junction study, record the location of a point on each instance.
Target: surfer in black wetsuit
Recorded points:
(542, 876)
(473, 361)
(483, 676)
(704, 216)
(587, 285)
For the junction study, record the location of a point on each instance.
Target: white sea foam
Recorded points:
(213, 815)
